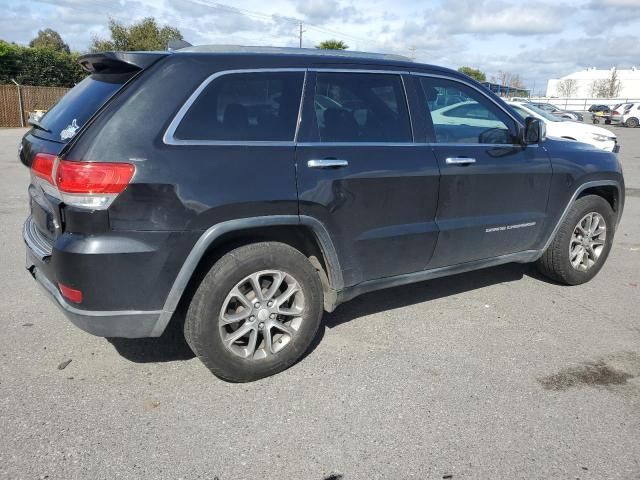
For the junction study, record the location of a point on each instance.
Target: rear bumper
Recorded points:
(103, 323)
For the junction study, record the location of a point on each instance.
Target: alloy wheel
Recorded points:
(587, 241)
(261, 314)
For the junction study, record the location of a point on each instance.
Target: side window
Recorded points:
(361, 107)
(460, 114)
(252, 106)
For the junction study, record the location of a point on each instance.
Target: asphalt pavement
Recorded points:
(491, 374)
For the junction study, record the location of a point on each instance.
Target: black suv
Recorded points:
(252, 189)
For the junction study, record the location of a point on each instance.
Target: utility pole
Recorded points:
(300, 35)
(20, 103)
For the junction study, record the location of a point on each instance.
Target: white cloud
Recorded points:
(618, 3)
(491, 17)
(322, 11)
(537, 39)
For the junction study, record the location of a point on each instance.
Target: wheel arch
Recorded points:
(303, 233)
(610, 190)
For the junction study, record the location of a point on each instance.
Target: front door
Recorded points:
(361, 175)
(493, 190)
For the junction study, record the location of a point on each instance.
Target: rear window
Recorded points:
(74, 109)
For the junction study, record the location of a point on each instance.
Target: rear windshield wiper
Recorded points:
(36, 124)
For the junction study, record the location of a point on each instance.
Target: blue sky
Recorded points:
(537, 39)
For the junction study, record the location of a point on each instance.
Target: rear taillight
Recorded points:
(69, 293)
(42, 166)
(615, 112)
(91, 185)
(93, 177)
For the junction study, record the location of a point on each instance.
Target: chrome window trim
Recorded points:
(359, 70)
(169, 135)
(412, 144)
(360, 144)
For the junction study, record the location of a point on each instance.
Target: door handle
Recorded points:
(459, 160)
(327, 163)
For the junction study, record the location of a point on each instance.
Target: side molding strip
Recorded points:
(210, 235)
(388, 282)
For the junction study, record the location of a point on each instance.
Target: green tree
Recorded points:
(474, 73)
(144, 35)
(332, 45)
(50, 39)
(38, 66)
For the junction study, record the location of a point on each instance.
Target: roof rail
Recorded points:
(293, 51)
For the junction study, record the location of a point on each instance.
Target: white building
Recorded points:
(629, 82)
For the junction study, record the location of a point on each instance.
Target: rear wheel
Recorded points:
(632, 122)
(582, 243)
(256, 312)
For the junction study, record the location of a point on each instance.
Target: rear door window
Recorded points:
(252, 106)
(361, 107)
(74, 109)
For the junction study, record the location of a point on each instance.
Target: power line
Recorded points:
(273, 17)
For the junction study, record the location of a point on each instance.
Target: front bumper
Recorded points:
(103, 323)
(608, 146)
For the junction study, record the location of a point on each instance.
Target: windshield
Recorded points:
(543, 113)
(74, 109)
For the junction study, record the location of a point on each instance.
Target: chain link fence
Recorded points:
(17, 101)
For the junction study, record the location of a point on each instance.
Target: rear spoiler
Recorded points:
(119, 62)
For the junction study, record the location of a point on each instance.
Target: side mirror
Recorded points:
(535, 131)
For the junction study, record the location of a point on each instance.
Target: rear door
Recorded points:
(363, 177)
(493, 190)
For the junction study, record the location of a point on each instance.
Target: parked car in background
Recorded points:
(568, 114)
(627, 115)
(600, 138)
(631, 117)
(599, 109)
(242, 192)
(618, 112)
(468, 112)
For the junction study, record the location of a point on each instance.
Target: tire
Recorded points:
(632, 122)
(556, 261)
(272, 264)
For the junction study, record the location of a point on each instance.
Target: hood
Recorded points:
(567, 128)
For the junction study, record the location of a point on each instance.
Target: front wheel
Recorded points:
(582, 243)
(256, 312)
(632, 122)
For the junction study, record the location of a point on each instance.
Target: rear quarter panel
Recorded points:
(179, 191)
(183, 187)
